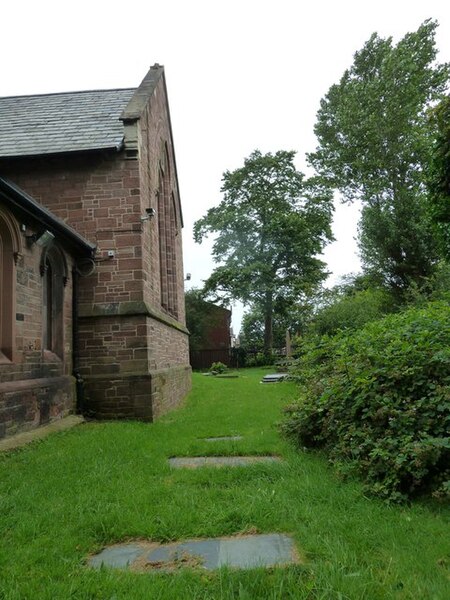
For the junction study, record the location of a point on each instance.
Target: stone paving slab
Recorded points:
(21, 439)
(196, 462)
(204, 553)
(240, 552)
(223, 438)
(273, 378)
(256, 551)
(118, 557)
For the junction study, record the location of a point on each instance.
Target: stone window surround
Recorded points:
(10, 250)
(168, 230)
(54, 273)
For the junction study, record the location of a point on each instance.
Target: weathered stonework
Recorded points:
(29, 403)
(132, 343)
(36, 385)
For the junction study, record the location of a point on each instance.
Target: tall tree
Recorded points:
(270, 227)
(251, 335)
(375, 145)
(439, 174)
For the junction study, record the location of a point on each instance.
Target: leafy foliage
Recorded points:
(270, 226)
(375, 145)
(218, 367)
(355, 301)
(436, 287)
(439, 174)
(251, 335)
(260, 359)
(378, 400)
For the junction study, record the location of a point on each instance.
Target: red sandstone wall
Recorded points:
(155, 146)
(36, 386)
(102, 196)
(218, 334)
(98, 195)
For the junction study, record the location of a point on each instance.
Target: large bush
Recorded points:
(378, 400)
(352, 311)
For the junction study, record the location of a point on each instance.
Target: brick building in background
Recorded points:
(102, 301)
(214, 342)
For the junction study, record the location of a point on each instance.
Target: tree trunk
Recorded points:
(268, 324)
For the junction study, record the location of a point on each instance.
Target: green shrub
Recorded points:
(264, 360)
(260, 359)
(352, 311)
(378, 401)
(436, 287)
(218, 367)
(284, 364)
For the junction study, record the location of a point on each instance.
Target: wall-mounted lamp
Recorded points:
(42, 239)
(150, 212)
(188, 277)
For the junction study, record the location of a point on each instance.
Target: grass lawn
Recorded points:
(101, 483)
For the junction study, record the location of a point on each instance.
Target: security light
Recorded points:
(42, 239)
(149, 212)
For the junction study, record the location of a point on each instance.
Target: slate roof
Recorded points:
(65, 122)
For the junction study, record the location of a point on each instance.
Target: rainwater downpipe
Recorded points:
(79, 383)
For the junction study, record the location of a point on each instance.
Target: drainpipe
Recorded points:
(79, 382)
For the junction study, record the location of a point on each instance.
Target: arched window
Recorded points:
(172, 258)
(47, 307)
(162, 205)
(9, 250)
(54, 277)
(167, 225)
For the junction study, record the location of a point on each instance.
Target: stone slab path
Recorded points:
(237, 552)
(196, 462)
(240, 552)
(223, 438)
(273, 378)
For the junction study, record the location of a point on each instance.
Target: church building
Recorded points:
(92, 315)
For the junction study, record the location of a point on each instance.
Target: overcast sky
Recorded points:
(241, 75)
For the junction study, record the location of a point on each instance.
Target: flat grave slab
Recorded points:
(119, 556)
(196, 462)
(223, 438)
(240, 552)
(273, 378)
